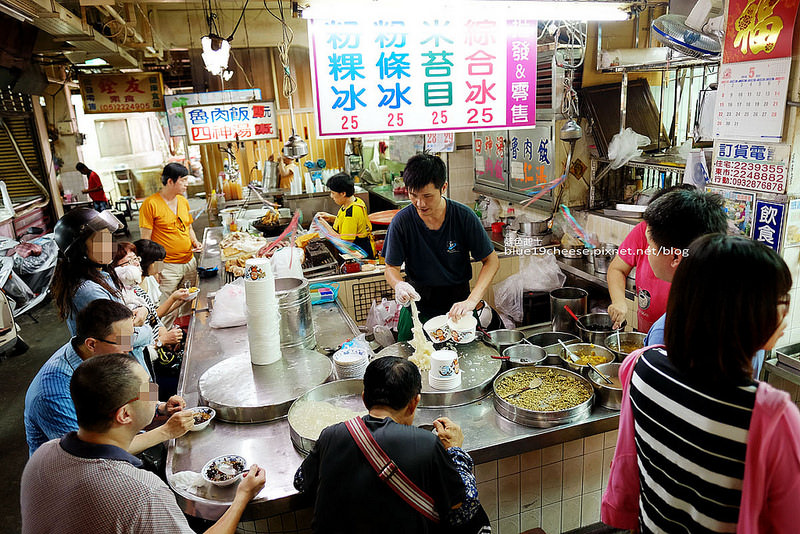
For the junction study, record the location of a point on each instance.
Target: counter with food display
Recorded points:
(505, 452)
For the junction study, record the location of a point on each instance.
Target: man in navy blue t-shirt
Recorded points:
(435, 237)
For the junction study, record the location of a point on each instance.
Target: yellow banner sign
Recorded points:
(122, 93)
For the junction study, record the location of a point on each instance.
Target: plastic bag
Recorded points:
(624, 146)
(385, 313)
(230, 306)
(354, 349)
(536, 273)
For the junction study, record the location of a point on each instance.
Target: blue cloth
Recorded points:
(89, 291)
(437, 257)
(49, 412)
(72, 444)
(655, 336)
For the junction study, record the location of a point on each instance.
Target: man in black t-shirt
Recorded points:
(435, 237)
(348, 495)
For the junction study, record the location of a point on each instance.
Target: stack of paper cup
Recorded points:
(445, 373)
(263, 315)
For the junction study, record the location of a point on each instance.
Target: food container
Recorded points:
(575, 257)
(437, 329)
(549, 342)
(629, 341)
(294, 303)
(504, 338)
(608, 396)
(523, 355)
(342, 394)
(575, 298)
(585, 349)
(596, 327)
(497, 227)
(463, 330)
(202, 417)
(542, 418)
(603, 257)
(535, 227)
(210, 471)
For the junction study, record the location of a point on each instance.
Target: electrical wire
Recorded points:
(289, 85)
(241, 16)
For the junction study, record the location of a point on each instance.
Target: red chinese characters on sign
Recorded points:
(122, 93)
(217, 123)
(759, 29)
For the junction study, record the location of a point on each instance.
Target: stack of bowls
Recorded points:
(351, 363)
(445, 373)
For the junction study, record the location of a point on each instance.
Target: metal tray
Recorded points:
(542, 419)
(790, 355)
(342, 393)
(477, 367)
(241, 392)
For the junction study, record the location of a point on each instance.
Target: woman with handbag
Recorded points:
(702, 447)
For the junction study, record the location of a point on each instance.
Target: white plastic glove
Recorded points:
(404, 293)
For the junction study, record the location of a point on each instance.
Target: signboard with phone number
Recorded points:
(756, 166)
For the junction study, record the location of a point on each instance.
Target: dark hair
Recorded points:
(97, 319)
(679, 217)
(174, 172)
(150, 252)
(72, 270)
(100, 386)
(722, 306)
(424, 169)
(81, 168)
(678, 187)
(391, 381)
(123, 247)
(342, 183)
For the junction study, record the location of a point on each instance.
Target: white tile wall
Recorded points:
(557, 488)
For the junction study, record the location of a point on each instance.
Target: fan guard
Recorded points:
(672, 31)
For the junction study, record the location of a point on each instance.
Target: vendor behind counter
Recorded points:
(352, 220)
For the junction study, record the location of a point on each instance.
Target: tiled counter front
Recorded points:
(557, 488)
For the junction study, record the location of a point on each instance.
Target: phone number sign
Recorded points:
(122, 93)
(399, 73)
(756, 166)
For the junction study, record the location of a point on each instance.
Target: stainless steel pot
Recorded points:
(504, 338)
(603, 257)
(632, 339)
(607, 395)
(523, 355)
(575, 298)
(294, 304)
(535, 227)
(596, 327)
(580, 348)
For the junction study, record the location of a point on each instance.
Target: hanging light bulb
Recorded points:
(216, 52)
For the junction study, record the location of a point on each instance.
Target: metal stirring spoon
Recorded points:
(535, 383)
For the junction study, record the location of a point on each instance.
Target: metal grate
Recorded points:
(365, 292)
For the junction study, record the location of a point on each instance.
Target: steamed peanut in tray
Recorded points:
(556, 391)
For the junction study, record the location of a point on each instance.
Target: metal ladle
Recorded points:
(535, 383)
(571, 354)
(570, 132)
(603, 376)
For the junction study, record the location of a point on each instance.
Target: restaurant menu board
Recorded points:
(489, 151)
(768, 223)
(122, 93)
(220, 123)
(751, 99)
(176, 103)
(738, 207)
(530, 155)
(759, 29)
(403, 73)
(757, 166)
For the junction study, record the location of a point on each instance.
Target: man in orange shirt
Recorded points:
(94, 188)
(164, 218)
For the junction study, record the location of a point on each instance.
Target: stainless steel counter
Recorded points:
(386, 192)
(487, 435)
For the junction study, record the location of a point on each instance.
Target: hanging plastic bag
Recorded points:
(385, 313)
(230, 306)
(541, 273)
(624, 146)
(508, 298)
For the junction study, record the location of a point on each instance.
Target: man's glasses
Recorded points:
(147, 392)
(179, 224)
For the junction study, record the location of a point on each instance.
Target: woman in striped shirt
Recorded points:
(702, 447)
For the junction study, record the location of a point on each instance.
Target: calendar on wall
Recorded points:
(751, 99)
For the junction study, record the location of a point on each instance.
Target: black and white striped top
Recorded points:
(691, 441)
